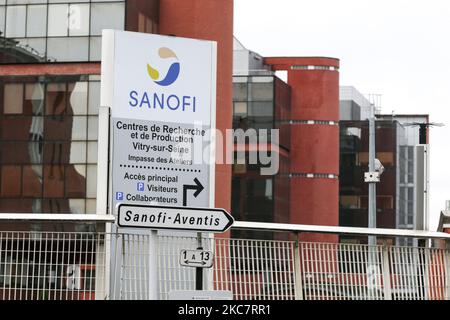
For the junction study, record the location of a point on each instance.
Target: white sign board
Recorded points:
(196, 258)
(161, 91)
(176, 218)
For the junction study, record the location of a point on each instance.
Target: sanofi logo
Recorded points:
(163, 100)
(172, 73)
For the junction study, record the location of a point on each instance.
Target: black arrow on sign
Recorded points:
(198, 187)
(194, 262)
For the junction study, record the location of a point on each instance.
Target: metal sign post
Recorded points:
(198, 270)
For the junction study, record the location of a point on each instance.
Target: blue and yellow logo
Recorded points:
(172, 73)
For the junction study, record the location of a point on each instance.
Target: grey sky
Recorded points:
(399, 49)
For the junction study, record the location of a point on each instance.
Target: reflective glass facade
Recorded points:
(49, 118)
(261, 102)
(48, 144)
(354, 161)
(56, 30)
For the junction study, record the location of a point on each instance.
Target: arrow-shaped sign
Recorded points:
(198, 187)
(178, 218)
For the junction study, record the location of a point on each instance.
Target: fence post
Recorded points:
(386, 272)
(153, 265)
(298, 274)
(102, 264)
(446, 269)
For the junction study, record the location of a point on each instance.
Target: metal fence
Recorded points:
(51, 265)
(251, 269)
(71, 266)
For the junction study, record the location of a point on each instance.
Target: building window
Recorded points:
(48, 144)
(42, 31)
(107, 16)
(13, 99)
(240, 109)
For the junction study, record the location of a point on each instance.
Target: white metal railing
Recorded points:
(51, 265)
(255, 269)
(251, 269)
(101, 265)
(287, 270)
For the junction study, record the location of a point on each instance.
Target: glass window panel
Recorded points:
(94, 97)
(15, 21)
(56, 152)
(78, 98)
(261, 109)
(92, 152)
(78, 152)
(11, 181)
(77, 206)
(34, 149)
(91, 181)
(92, 128)
(411, 152)
(410, 194)
(75, 178)
(410, 219)
(2, 20)
(66, 1)
(410, 172)
(79, 20)
(79, 128)
(35, 92)
(410, 207)
(107, 16)
(402, 174)
(12, 205)
(91, 206)
(36, 21)
(31, 181)
(57, 20)
(26, 1)
(402, 207)
(402, 152)
(261, 123)
(240, 108)
(53, 181)
(56, 98)
(80, 169)
(15, 128)
(95, 50)
(18, 153)
(23, 52)
(94, 77)
(13, 98)
(36, 48)
(240, 91)
(261, 91)
(68, 49)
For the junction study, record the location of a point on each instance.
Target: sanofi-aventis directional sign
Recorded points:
(177, 218)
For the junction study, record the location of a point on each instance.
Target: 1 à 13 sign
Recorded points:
(196, 258)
